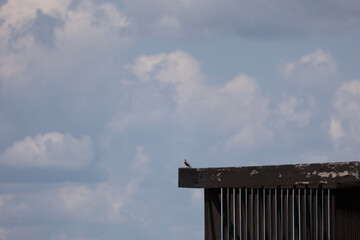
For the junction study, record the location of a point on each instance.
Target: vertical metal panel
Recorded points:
(291, 215)
(326, 214)
(281, 214)
(231, 213)
(314, 213)
(250, 225)
(225, 214)
(243, 213)
(278, 212)
(273, 215)
(310, 216)
(212, 213)
(308, 213)
(237, 214)
(267, 214)
(282, 206)
(285, 232)
(255, 212)
(322, 215)
(332, 215)
(319, 214)
(296, 215)
(302, 201)
(261, 214)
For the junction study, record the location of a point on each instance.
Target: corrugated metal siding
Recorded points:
(278, 213)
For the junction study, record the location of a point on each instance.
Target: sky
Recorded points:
(101, 100)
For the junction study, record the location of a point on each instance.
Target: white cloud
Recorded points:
(173, 89)
(26, 34)
(241, 84)
(67, 71)
(313, 69)
(351, 88)
(49, 150)
(347, 113)
(101, 203)
(235, 110)
(336, 131)
(178, 68)
(287, 110)
(248, 136)
(80, 205)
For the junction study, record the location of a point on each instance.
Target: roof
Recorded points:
(315, 175)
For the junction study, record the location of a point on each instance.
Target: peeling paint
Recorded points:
(343, 174)
(300, 165)
(218, 177)
(328, 174)
(355, 174)
(337, 174)
(302, 183)
(324, 174)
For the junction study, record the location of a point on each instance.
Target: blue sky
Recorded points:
(100, 102)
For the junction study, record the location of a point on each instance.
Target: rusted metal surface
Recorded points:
(330, 175)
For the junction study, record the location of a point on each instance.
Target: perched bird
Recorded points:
(187, 164)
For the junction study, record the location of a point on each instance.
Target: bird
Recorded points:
(187, 164)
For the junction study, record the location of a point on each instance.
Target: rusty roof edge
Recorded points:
(297, 175)
(355, 164)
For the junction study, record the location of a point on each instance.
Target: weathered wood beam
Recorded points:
(328, 175)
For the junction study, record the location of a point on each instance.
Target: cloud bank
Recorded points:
(100, 102)
(49, 150)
